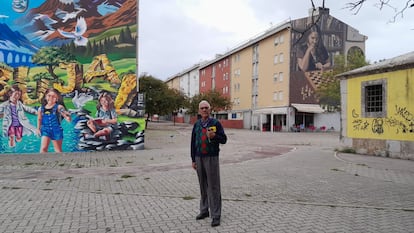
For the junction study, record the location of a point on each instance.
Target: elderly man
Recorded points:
(206, 136)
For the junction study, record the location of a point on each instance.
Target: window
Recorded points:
(236, 73)
(280, 95)
(281, 39)
(275, 60)
(275, 76)
(237, 58)
(275, 94)
(276, 40)
(237, 87)
(373, 98)
(281, 57)
(281, 76)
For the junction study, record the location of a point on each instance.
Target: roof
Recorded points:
(404, 61)
(194, 67)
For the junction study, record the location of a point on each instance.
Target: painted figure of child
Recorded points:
(106, 117)
(15, 122)
(48, 120)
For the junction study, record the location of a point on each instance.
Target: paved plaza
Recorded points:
(271, 182)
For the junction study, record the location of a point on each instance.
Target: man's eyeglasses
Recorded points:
(202, 108)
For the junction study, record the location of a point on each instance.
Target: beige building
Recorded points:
(272, 89)
(274, 76)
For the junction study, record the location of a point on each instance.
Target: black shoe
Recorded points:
(202, 216)
(215, 222)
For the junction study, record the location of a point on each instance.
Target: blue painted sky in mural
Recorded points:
(105, 9)
(8, 15)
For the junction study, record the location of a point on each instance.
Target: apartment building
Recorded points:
(272, 78)
(187, 81)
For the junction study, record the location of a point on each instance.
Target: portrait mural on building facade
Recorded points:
(315, 42)
(68, 76)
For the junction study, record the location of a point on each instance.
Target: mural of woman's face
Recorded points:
(313, 38)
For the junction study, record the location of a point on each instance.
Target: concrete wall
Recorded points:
(328, 120)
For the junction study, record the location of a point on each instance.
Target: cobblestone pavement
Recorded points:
(271, 182)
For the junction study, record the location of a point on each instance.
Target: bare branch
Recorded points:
(401, 12)
(356, 6)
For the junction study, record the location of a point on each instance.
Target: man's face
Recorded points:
(204, 110)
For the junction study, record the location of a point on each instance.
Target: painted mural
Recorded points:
(68, 76)
(315, 41)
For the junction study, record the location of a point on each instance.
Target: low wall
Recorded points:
(231, 124)
(384, 148)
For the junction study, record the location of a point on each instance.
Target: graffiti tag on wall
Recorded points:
(401, 122)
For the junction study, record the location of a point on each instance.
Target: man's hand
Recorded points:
(210, 133)
(194, 165)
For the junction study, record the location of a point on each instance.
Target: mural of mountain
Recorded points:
(13, 40)
(41, 23)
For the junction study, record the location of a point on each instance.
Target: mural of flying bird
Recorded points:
(80, 29)
(65, 16)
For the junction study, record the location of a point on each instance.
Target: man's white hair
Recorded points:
(204, 102)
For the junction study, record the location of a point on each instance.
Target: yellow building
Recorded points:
(378, 108)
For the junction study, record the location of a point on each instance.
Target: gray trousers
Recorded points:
(208, 172)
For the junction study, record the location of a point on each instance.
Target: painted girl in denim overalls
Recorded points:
(48, 120)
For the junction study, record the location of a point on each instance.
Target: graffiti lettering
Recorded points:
(402, 122)
(377, 126)
(359, 124)
(354, 114)
(404, 113)
(395, 123)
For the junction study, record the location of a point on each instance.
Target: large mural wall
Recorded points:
(398, 124)
(68, 77)
(315, 42)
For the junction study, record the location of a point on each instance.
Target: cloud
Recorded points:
(174, 35)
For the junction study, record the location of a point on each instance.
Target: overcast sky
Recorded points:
(176, 34)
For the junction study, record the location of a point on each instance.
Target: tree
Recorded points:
(329, 94)
(216, 100)
(357, 5)
(51, 57)
(159, 99)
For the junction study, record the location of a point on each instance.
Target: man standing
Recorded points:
(206, 136)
